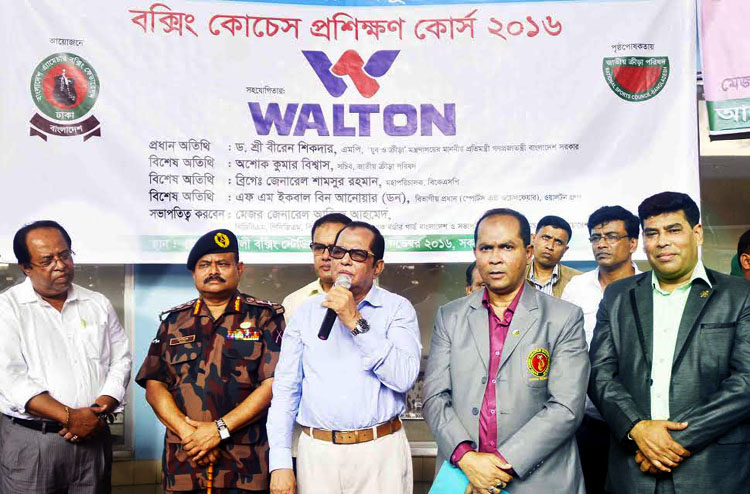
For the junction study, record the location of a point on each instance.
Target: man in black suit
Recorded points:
(670, 364)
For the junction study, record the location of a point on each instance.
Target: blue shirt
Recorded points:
(346, 382)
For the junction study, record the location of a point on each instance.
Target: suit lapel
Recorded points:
(523, 319)
(479, 325)
(700, 294)
(642, 302)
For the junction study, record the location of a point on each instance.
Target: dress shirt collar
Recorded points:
(552, 280)
(374, 297)
(314, 288)
(699, 272)
(28, 295)
(235, 305)
(595, 279)
(510, 310)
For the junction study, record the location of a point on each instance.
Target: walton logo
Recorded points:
(350, 63)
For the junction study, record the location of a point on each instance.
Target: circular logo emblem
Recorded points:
(64, 86)
(221, 240)
(636, 78)
(538, 362)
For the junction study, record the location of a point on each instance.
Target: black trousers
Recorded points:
(593, 445)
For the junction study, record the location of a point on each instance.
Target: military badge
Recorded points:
(243, 334)
(538, 363)
(221, 240)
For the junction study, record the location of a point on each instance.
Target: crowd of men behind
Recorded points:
(539, 379)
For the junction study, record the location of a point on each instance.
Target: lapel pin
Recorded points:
(705, 293)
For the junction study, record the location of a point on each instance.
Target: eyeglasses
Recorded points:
(48, 261)
(319, 248)
(358, 255)
(610, 238)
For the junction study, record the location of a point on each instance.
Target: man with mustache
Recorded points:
(550, 243)
(64, 366)
(208, 376)
(670, 364)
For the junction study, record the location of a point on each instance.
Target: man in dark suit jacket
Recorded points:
(670, 366)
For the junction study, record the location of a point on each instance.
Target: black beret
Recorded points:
(216, 241)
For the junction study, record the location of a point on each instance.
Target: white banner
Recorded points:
(140, 125)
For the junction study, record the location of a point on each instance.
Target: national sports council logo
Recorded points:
(636, 78)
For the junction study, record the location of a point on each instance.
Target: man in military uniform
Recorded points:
(208, 376)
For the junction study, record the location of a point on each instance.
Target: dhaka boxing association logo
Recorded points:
(64, 87)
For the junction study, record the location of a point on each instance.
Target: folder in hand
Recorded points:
(451, 480)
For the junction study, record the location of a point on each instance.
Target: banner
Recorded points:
(725, 50)
(141, 125)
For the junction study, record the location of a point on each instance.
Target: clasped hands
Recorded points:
(486, 473)
(84, 423)
(657, 451)
(200, 440)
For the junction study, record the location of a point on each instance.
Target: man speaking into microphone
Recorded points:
(346, 389)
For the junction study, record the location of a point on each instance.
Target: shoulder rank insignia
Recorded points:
(277, 308)
(178, 308)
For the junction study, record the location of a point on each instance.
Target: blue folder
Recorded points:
(451, 480)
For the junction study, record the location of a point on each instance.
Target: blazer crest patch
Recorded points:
(538, 362)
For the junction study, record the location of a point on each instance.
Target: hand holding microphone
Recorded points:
(340, 303)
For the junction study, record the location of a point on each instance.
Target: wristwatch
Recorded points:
(223, 429)
(362, 326)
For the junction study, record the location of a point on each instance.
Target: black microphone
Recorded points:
(327, 324)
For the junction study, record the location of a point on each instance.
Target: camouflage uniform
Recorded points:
(210, 367)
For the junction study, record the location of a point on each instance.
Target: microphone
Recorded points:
(328, 320)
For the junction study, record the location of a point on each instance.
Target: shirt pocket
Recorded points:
(536, 361)
(241, 359)
(182, 355)
(94, 339)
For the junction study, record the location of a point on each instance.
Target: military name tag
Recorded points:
(182, 340)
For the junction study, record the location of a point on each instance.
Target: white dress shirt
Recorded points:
(668, 309)
(586, 292)
(76, 354)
